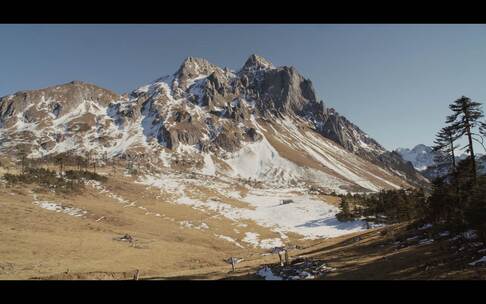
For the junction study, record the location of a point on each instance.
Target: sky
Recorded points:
(394, 81)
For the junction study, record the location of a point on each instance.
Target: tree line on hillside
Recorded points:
(70, 181)
(72, 168)
(37, 171)
(384, 207)
(70, 160)
(457, 199)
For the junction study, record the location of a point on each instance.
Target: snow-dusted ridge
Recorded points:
(262, 122)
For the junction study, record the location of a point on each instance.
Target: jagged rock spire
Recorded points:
(193, 66)
(255, 62)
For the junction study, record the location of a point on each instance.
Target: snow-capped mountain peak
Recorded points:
(266, 119)
(421, 156)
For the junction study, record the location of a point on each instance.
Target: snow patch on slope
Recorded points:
(254, 239)
(306, 215)
(262, 162)
(209, 168)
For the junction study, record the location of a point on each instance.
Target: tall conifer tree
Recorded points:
(445, 146)
(465, 118)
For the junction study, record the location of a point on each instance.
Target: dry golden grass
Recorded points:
(375, 256)
(38, 243)
(42, 244)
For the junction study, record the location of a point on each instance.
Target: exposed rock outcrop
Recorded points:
(201, 106)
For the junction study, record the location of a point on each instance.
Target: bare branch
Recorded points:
(484, 148)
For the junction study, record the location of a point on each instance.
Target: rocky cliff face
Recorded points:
(203, 110)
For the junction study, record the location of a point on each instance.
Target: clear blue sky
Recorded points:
(394, 81)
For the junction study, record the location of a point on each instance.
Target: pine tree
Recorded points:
(482, 131)
(60, 159)
(466, 116)
(445, 147)
(21, 152)
(345, 213)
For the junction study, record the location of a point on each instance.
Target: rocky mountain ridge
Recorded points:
(206, 116)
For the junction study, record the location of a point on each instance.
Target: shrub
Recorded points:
(78, 175)
(72, 181)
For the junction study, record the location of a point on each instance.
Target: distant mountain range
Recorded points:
(422, 158)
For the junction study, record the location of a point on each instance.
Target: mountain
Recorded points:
(422, 158)
(261, 122)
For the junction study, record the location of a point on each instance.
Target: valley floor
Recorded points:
(186, 227)
(370, 255)
(374, 256)
(163, 225)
